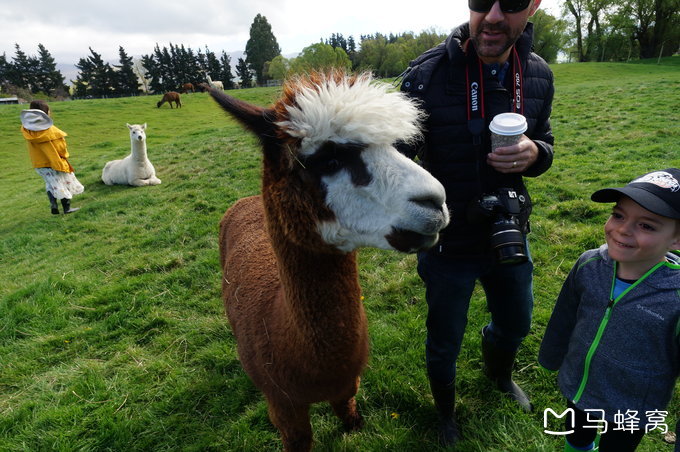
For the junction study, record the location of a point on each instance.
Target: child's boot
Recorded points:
(66, 204)
(53, 203)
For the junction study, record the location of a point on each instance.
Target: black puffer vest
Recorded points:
(437, 78)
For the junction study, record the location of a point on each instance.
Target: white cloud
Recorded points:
(67, 28)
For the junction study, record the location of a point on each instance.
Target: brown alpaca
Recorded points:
(187, 88)
(170, 97)
(331, 182)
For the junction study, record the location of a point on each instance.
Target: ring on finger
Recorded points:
(514, 164)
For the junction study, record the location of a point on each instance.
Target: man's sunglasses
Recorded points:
(507, 6)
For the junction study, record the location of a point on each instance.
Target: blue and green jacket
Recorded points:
(618, 353)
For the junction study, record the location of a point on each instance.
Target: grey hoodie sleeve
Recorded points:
(562, 321)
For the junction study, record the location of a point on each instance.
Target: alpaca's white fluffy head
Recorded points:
(347, 128)
(344, 110)
(137, 132)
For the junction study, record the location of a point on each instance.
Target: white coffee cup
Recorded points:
(507, 129)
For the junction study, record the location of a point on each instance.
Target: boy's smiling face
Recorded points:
(638, 239)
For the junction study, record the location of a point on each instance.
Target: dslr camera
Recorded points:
(502, 208)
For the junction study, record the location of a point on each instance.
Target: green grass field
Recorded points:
(112, 332)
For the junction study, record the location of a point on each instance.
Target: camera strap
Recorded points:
(474, 79)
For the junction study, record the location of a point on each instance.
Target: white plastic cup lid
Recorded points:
(508, 124)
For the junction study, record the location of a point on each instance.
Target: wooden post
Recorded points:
(660, 53)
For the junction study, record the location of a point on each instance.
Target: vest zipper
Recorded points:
(603, 324)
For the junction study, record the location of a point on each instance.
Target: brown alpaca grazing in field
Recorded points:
(187, 88)
(170, 97)
(332, 181)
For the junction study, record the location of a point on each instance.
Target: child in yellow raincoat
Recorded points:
(47, 149)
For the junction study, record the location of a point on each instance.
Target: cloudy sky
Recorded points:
(67, 28)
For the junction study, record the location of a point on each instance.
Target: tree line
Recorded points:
(589, 30)
(618, 30)
(98, 78)
(388, 55)
(168, 69)
(31, 74)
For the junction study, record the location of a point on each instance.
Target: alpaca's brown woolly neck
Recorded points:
(320, 292)
(322, 304)
(295, 312)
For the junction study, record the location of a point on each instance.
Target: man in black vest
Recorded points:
(485, 67)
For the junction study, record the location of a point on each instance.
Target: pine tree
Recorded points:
(82, 82)
(175, 65)
(352, 51)
(194, 74)
(213, 65)
(96, 78)
(168, 70)
(200, 60)
(161, 70)
(169, 81)
(261, 47)
(22, 69)
(153, 65)
(4, 71)
(243, 72)
(351, 45)
(226, 76)
(47, 78)
(35, 74)
(153, 76)
(127, 82)
(185, 64)
(337, 40)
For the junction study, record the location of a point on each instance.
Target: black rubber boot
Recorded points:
(66, 204)
(53, 203)
(498, 365)
(445, 404)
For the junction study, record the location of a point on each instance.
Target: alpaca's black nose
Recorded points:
(428, 202)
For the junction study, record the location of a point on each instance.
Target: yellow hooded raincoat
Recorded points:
(47, 147)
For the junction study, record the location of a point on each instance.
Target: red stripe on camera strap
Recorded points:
(474, 80)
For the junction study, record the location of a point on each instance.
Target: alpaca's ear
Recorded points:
(129, 126)
(144, 126)
(255, 118)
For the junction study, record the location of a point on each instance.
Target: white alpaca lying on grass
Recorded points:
(135, 169)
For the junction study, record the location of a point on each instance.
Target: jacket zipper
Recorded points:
(603, 324)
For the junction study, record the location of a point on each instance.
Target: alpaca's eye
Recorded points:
(332, 157)
(333, 165)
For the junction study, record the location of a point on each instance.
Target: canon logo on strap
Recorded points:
(474, 96)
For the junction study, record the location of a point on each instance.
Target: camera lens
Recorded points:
(508, 242)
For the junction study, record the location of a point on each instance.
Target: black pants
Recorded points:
(611, 441)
